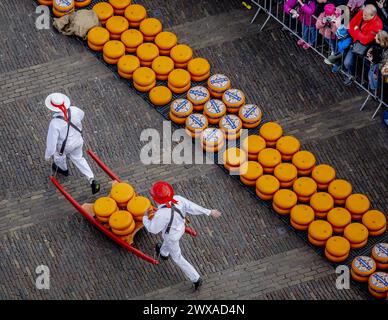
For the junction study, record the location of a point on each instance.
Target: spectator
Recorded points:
(321, 4)
(303, 10)
(363, 29)
(382, 11)
(344, 42)
(375, 55)
(355, 6)
(328, 23)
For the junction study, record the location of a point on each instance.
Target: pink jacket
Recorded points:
(329, 29)
(305, 12)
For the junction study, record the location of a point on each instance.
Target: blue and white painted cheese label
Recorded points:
(230, 122)
(196, 121)
(379, 280)
(219, 81)
(181, 106)
(215, 106)
(381, 250)
(251, 112)
(234, 96)
(64, 3)
(212, 136)
(364, 263)
(198, 93)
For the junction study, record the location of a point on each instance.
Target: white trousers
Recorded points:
(172, 248)
(75, 154)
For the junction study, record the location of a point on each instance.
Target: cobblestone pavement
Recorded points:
(249, 253)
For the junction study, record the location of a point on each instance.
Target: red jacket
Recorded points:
(368, 30)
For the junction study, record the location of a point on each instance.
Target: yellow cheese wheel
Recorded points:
(124, 75)
(132, 39)
(150, 27)
(144, 88)
(323, 174)
(180, 89)
(103, 10)
(196, 122)
(122, 192)
(357, 203)
(104, 207)
(363, 266)
(147, 51)
(160, 95)
(198, 95)
(163, 65)
(120, 220)
(338, 246)
(128, 64)
(378, 281)
(339, 217)
(249, 183)
(211, 137)
(117, 25)
(279, 210)
(181, 108)
(269, 157)
(230, 124)
(214, 109)
(233, 98)
(299, 227)
(94, 47)
(322, 202)
(251, 170)
(378, 232)
(305, 186)
(135, 13)
(200, 78)
(288, 145)
(315, 242)
(271, 131)
(166, 40)
(126, 231)
(334, 258)
(374, 220)
(320, 230)
(181, 53)
(302, 214)
(144, 76)
(110, 60)
(380, 252)
(46, 2)
(285, 172)
(63, 7)
(179, 78)
(262, 196)
(234, 156)
(303, 160)
(175, 119)
(114, 49)
(98, 36)
(340, 189)
(285, 199)
(267, 184)
(253, 144)
(356, 233)
(82, 3)
(120, 4)
(138, 205)
(218, 83)
(198, 67)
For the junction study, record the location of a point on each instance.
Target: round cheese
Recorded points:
(285, 172)
(305, 186)
(196, 122)
(122, 192)
(181, 53)
(138, 205)
(160, 95)
(378, 281)
(303, 160)
(132, 38)
(166, 40)
(357, 203)
(356, 233)
(117, 24)
(179, 78)
(323, 174)
(267, 184)
(288, 145)
(98, 36)
(374, 220)
(230, 124)
(198, 67)
(340, 189)
(120, 4)
(233, 98)
(320, 230)
(163, 65)
(144, 76)
(104, 207)
(250, 113)
(218, 83)
(269, 157)
(103, 10)
(212, 137)
(181, 108)
(363, 265)
(253, 144)
(120, 220)
(114, 49)
(380, 252)
(302, 214)
(338, 246)
(128, 64)
(251, 170)
(339, 217)
(322, 202)
(150, 27)
(234, 157)
(214, 108)
(285, 199)
(198, 95)
(147, 51)
(135, 13)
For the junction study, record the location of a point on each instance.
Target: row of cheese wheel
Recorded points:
(134, 13)
(63, 7)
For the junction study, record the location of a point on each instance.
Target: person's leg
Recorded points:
(80, 162)
(349, 62)
(60, 161)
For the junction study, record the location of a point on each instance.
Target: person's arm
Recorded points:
(191, 207)
(354, 22)
(157, 223)
(289, 5)
(309, 8)
(51, 141)
(320, 24)
(366, 38)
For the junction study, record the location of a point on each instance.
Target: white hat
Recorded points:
(57, 99)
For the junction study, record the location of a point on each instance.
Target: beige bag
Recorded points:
(77, 23)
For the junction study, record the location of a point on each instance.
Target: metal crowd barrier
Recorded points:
(275, 9)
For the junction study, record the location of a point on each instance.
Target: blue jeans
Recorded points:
(350, 61)
(332, 44)
(373, 76)
(309, 34)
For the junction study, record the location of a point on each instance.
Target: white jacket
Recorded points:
(162, 217)
(58, 129)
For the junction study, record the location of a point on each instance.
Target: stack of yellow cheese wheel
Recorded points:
(122, 193)
(288, 146)
(82, 3)
(179, 81)
(231, 125)
(217, 84)
(357, 234)
(103, 208)
(160, 96)
(322, 203)
(116, 25)
(138, 207)
(301, 216)
(304, 161)
(362, 268)
(234, 159)
(104, 11)
(113, 50)
(323, 175)
(271, 133)
(97, 37)
(122, 223)
(132, 39)
(46, 2)
(198, 96)
(127, 65)
(340, 189)
(199, 69)
(250, 115)
(181, 54)
(165, 41)
(135, 14)
(162, 67)
(252, 145)
(375, 221)
(304, 187)
(119, 6)
(150, 28)
(180, 109)
(319, 231)
(62, 8)
(286, 173)
(250, 172)
(266, 187)
(357, 204)
(214, 110)
(283, 201)
(212, 139)
(337, 249)
(380, 254)
(234, 99)
(378, 285)
(147, 52)
(195, 124)
(339, 218)
(144, 79)
(269, 158)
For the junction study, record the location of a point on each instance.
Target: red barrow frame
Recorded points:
(97, 224)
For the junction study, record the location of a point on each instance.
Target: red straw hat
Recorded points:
(162, 192)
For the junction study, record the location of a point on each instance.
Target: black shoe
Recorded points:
(348, 81)
(158, 246)
(95, 186)
(198, 284)
(59, 170)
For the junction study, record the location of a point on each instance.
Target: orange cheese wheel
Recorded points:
(285, 199)
(380, 252)
(338, 246)
(303, 160)
(285, 172)
(176, 119)
(180, 89)
(120, 220)
(181, 108)
(198, 95)
(94, 47)
(179, 78)
(98, 36)
(323, 174)
(128, 64)
(120, 4)
(271, 131)
(253, 144)
(251, 170)
(299, 227)
(315, 242)
(135, 13)
(114, 49)
(147, 51)
(117, 25)
(374, 220)
(138, 206)
(288, 145)
(163, 65)
(234, 157)
(104, 207)
(378, 281)
(166, 40)
(339, 217)
(126, 231)
(263, 196)
(335, 259)
(302, 214)
(144, 76)
(132, 39)
(356, 233)
(196, 123)
(340, 189)
(215, 109)
(144, 88)
(212, 137)
(200, 78)
(269, 157)
(150, 27)
(267, 184)
(363, 266)
(198, 67)
(305, 186)
(322, 202)
(357, 203)
(320, 230)
(160, 95)
(181, 53)
(233, 98)
(110, 60)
